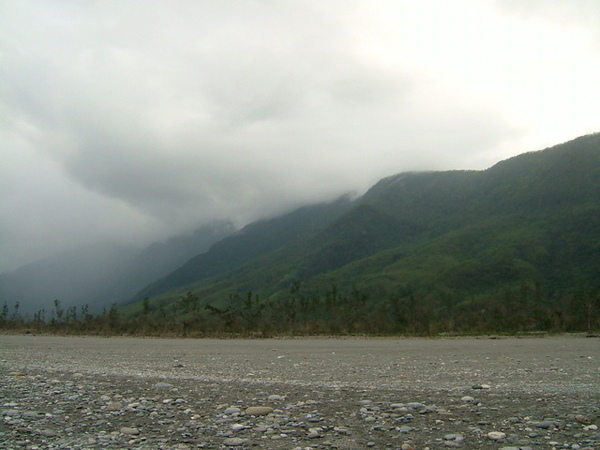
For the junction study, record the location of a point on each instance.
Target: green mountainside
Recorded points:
(246, 245)
(519, 241)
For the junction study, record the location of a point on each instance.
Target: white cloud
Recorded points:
(146, 118)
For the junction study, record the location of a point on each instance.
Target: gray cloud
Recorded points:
(137, 120)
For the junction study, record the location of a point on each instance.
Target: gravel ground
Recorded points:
(508, 393)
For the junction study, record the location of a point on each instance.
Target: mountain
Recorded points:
(249, 243)
(527, 228)
(73, 277)
(101, 274)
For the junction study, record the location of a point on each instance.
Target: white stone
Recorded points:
(496, 435)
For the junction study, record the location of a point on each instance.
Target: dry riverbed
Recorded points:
(508, 393)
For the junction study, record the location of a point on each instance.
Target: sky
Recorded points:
(136, 120)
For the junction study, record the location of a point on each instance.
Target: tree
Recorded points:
(190, 304)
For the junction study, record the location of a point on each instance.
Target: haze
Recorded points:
(132, 121)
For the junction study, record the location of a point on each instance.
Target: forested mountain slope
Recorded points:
(524, 233)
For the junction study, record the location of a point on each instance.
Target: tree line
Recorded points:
(334, 312)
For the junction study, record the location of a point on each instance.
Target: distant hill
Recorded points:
(101, 274)
(526, 229)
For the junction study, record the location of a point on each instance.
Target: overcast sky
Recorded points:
(135, 120)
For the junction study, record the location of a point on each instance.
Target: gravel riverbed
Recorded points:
(471, 393)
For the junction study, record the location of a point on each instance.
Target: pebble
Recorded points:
(114, 406)
(84, 411)
(258, 410)
(314, 433)
(234, 442)
(496, 435)
(415, 405)
(232, 410)
(546, 424)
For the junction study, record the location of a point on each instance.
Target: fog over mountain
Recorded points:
(102, 274)
(131, 122)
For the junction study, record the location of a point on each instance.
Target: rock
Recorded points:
(233, 442)
(415, 405)
(275, 398)
(114, 406)
(162, 385)
(130, 430)
(314, 433)
(468, 399)
(496, 435)
(48, 433)
(17, 373)
(258, 410)
(454, 437)
(453, 440)
(232, 410)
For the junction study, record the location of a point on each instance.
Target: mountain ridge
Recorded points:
(459, 235)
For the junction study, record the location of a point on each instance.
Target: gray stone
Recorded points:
(234, 442)
(314, 433)
(258, 410)
(114, 406)
(415, 405)
(496, 435)
(232, 410)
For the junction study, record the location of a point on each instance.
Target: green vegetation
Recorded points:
(519, 310)
(515, 248)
